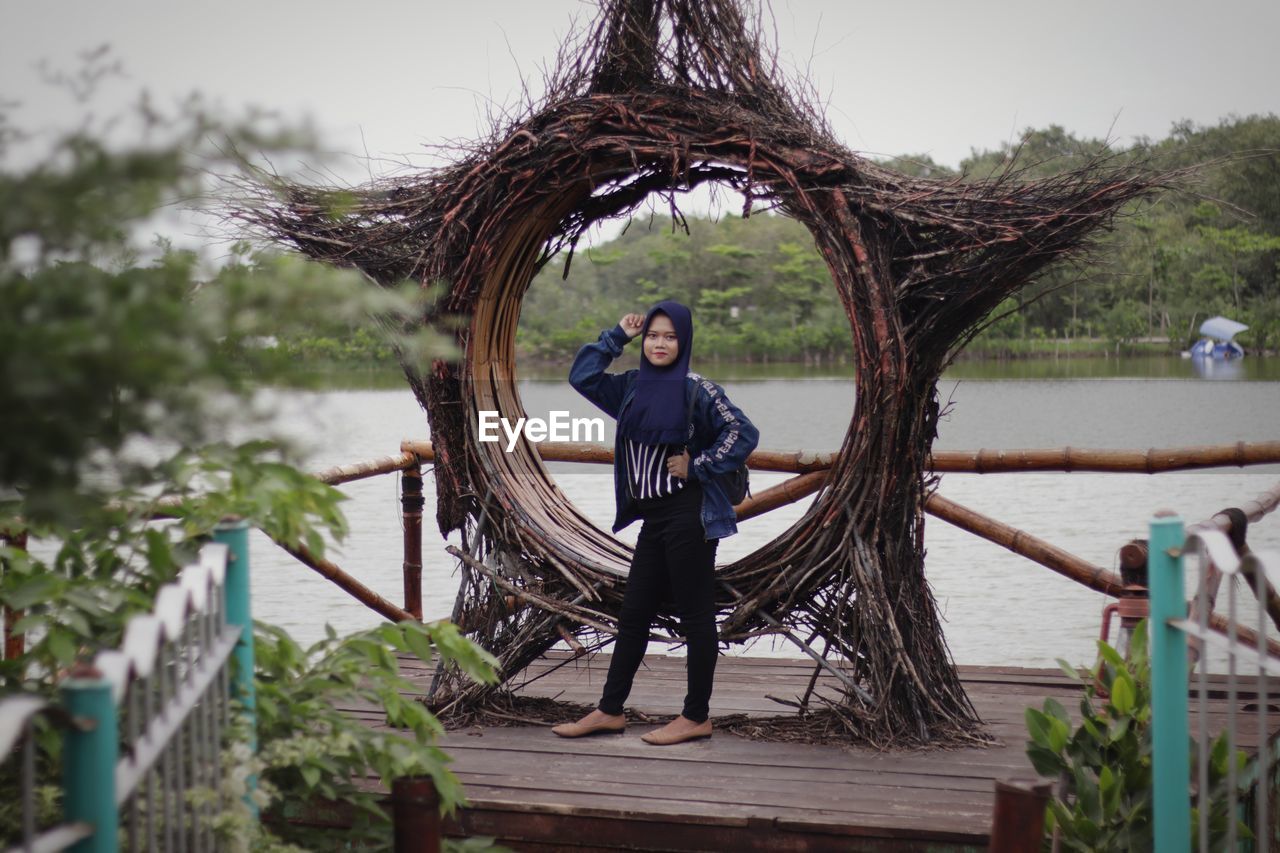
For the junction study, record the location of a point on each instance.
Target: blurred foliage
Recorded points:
(127, 366)
(95, 356)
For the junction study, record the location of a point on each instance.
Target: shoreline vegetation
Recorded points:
(763, 294)
(1080, 360)
(331, 354)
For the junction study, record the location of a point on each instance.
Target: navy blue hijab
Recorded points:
(657, 413)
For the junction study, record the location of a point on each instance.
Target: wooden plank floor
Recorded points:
(539, 792)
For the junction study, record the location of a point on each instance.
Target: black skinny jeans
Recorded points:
(672, 561)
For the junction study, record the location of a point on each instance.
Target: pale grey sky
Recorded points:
(937, 77)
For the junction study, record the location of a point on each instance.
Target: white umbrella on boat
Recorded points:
(1221, 328)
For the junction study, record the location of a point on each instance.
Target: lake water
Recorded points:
(998, 608)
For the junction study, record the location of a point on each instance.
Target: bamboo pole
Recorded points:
(1154, 460)
(347, 583)
(326, 569)
(335, 476)
(792, 462)
(424, 450)
(1055, 558)
(1022, 543)
(361, 470)
(1253, 510)
(786, 492)
(1067, 459)
(411, 504)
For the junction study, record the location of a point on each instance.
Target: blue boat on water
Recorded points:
(1217, 343)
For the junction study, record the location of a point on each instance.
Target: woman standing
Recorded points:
(678, 434)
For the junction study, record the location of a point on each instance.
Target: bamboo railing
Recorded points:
(811, 469)
(1067, 459)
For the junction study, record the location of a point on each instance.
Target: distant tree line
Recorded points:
(761, 292)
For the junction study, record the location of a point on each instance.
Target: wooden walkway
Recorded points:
(534, 791)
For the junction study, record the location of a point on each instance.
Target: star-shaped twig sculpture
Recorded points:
(658, 97)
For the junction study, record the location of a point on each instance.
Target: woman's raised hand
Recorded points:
(632, 324)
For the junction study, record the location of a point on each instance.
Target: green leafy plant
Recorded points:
(1104, 763)
(313, 744)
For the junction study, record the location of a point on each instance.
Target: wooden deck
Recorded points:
(535, 791)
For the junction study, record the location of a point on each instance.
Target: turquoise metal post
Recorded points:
(90, 752)
(235, 535)
(1171, 754)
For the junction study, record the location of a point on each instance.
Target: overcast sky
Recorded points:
(937, 78)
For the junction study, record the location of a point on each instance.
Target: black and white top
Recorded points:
(647, 475)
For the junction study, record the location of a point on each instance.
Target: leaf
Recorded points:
(61, 645)
(1054, 708)
(267, 706)
(1069, 670)
(1086, 830)
(1087, 799)
(470, 658)
(1218, 756)
(1050, 817)
(1046, 762)
(1062, 815)
(386, 660)
(1090, 728)
(77, 623)
(28, 623)
(34, 589)
(1109, 793)
(310, 774)
(1138, 655)
(1122, 694)
(419, 643)
(1118, 729)
(1059, 735)
(1038, 727)
(14, 560)
(1110, 655)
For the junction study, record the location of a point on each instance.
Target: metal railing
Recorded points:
(144, 725)
(1172, 627)
(17, 722)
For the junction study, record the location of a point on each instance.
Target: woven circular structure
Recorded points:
(659, 96)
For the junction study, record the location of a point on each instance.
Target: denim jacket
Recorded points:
(720, 436)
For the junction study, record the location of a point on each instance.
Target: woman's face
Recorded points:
(660, 343)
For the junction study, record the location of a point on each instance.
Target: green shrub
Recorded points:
(1104, 763)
